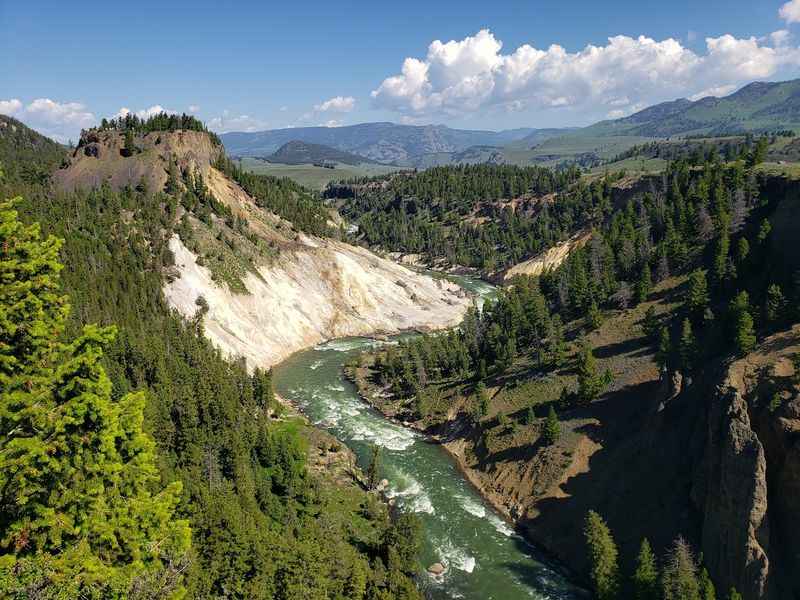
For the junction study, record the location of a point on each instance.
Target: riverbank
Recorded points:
(459, 438)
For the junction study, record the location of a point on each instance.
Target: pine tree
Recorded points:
(707, 591)
(374, 467)
(591, 383)
(775, 305)
(129, 149)
(650, 323)
(482, 401)
(687, 348)
(644, 284)
(744, 337)
(604, 571)
(697, 298)
(552, 428)
(679, 579)
(593, 317)
(645, 577)
(76, 468)
(663, 356)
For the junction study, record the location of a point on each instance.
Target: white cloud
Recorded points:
(145, 113)
(790, 12)
(58, 120)
(460, 77)
(228, 122)
(340, 104)
(331, 123)
(10, 107)
(193, 108)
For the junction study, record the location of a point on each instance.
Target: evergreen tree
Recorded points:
(591, 383)
(129, 149)
(650, 325)
(76, 468)
(663, 355)
(552, 428)
(482, 401)
(604, 571)
(707, 591)
(734, 595)
(697, 298)
(374, 467)
(645, 577)
(687, 348)
(644, 284)
(775, 307)
(744, 337)
(679, 579)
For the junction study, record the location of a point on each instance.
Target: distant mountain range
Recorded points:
(299, 153)
(754, 108)
(381, 142)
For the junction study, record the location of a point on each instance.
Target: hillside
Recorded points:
(661, 385)
(382, 142)
(26, 154)
(756, 108)
(210, 450)
(298, 153)
(268, 289)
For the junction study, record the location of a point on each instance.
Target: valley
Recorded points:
(388, 361)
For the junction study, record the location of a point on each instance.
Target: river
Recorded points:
(485, 559)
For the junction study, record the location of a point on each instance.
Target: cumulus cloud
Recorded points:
(193, 108)
(790, 12)
(10, 107)
(228, 122)
(145, 113)
(331, 123)
(459, 77)
(59, 120)
(341, 104)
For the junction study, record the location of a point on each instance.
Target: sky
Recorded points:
(250, 66)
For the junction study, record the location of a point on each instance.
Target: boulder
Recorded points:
(436, 569)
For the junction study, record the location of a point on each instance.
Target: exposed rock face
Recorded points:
(321, 290)
(735, 537)
(99, 160)
(549, 259)
(748, 484)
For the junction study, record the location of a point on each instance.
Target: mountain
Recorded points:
(382, 142)
(302, 153)
(756, 107)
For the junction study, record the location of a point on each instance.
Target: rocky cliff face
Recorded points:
(748, 482)
(100, 158)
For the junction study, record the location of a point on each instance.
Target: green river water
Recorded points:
(485, 559)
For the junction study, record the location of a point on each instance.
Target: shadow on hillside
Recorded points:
(628, 346)
(639, 479)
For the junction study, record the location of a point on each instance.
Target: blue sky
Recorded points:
(250, 66)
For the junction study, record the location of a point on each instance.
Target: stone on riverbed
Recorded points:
(436, 569)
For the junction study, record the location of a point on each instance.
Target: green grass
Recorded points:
(313, 177)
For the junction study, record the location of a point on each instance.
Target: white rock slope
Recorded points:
(322, 290)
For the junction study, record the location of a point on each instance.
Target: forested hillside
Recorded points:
(483, 216)
(616, 360)
(205, 430)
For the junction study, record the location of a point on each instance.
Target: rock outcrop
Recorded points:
(748, 484)
(320, 290)
(735, 533)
